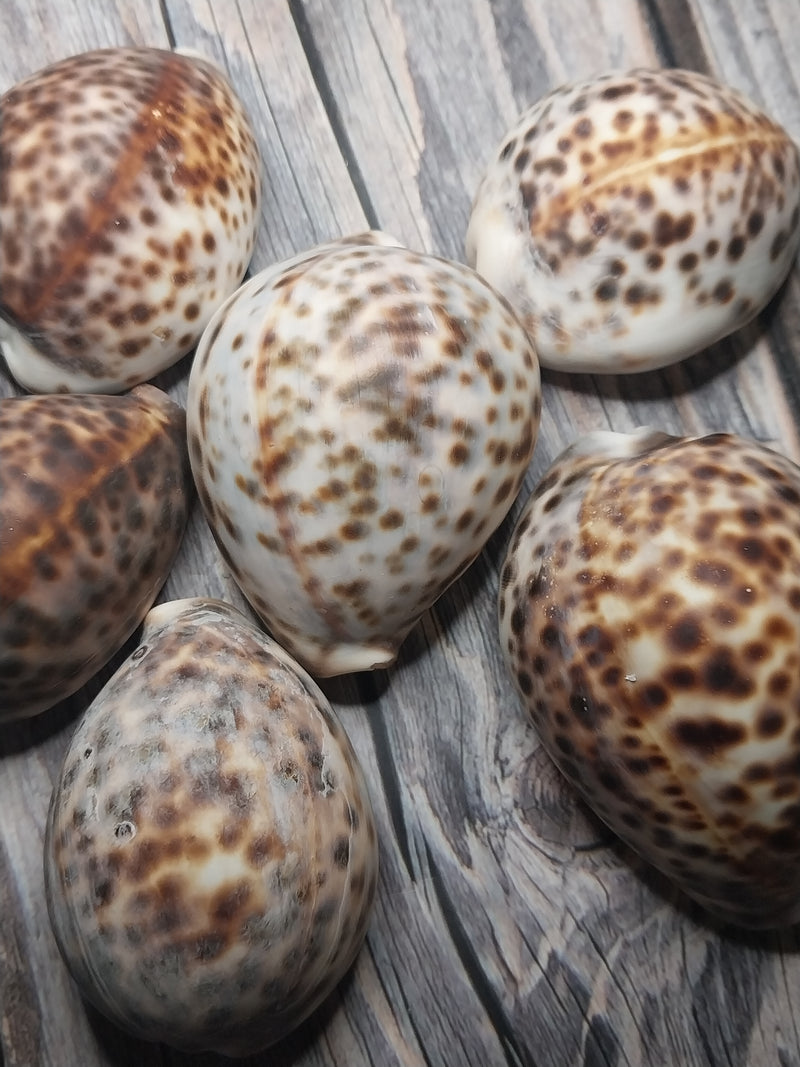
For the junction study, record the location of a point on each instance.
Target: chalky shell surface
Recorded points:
(211, 857)
(360, 420)
(94, 497)
(129, 197)
(635, 218)
(650, 618)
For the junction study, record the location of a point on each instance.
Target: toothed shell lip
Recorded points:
(636, 218)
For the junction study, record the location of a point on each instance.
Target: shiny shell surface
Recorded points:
(211, 857)
(129, 199)
(360, 420)
(94, 497)
(635, 218)
(650, 618)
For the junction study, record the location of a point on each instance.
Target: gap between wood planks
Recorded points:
(320, 78)
(674, 33)
(170, 32)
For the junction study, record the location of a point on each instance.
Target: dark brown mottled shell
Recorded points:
(94, 496)
(211, 856)
(650, 617)
(129, 196)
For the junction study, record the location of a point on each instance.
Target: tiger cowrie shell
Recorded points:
(635, 218)
(211, 856)
(650, 619)
(130, 194)
(94, 497)
(360, 420)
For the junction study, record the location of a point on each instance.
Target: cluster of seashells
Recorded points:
(360, 420)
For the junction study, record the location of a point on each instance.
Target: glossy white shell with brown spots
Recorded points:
(637, 217)
(211, 857)
(360, 420)
(94, 496)
(129, 197)
(650, 617)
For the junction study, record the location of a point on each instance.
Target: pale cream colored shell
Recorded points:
(634, 218)
(360, 420)
(650, 618)
(128, 210)
(211, 857)
(94, 497)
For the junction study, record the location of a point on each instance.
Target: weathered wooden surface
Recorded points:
(509, 927)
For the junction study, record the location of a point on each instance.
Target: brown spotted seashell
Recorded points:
(635, 218)
(94, 496)
(211, 856)
(360, 420)
(650, 617)
(129, 196)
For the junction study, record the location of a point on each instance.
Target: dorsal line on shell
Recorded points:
(620, 168)
(101, 210)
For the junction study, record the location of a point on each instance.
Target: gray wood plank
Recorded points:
(510, 928)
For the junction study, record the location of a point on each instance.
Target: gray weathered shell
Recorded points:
(637, 217)
(94, 497)
(211, 857)
(360, 420)
(650, 618)
(128, 207)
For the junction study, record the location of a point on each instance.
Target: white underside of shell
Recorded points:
(34, 371)
(570, 339)
(25, 362)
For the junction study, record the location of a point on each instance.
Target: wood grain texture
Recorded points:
(510, 928)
